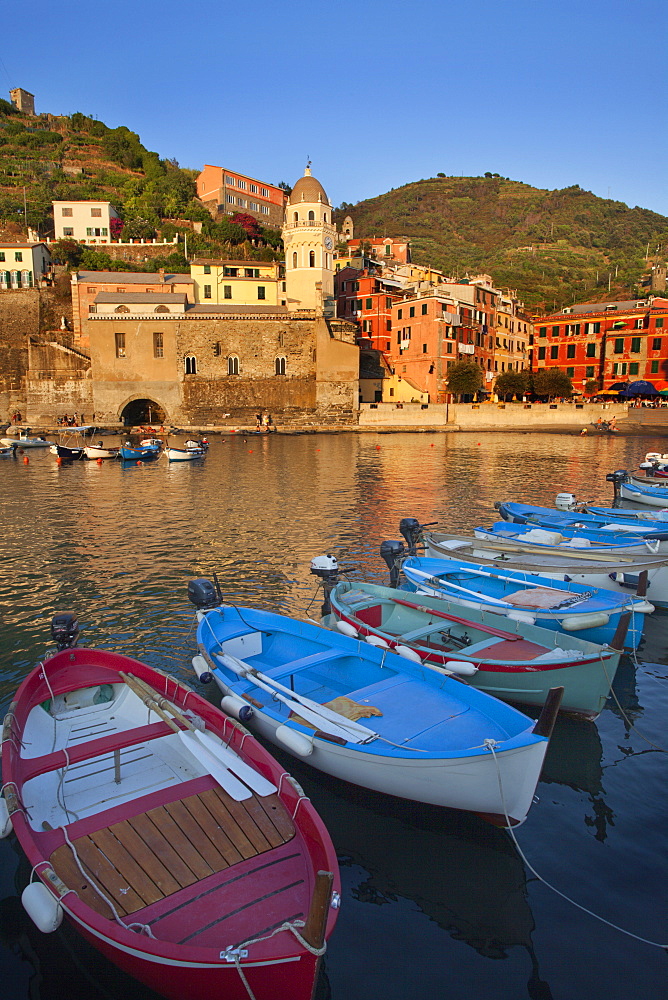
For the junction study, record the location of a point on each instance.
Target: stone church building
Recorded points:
(160, 353)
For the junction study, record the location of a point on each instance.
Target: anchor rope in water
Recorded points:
(625, 717)
(491, 744)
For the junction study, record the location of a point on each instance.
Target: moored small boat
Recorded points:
(24, 440)
(95, 451)
(184, 454)
(9, 451)
(163, 831)
(138, 453)
(425, 736)
(518, 663)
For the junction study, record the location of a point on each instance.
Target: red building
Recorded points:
(366, 298)
(395, 251)
(607, 342)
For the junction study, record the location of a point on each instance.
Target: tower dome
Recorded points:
(308, 189)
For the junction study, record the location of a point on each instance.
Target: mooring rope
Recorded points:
(491, 744)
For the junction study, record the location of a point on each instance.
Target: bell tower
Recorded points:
(309, 236)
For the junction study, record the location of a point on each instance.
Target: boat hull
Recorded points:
(413, 748)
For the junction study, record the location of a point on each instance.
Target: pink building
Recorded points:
(226, 192)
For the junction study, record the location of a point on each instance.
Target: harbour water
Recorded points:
(435, 904)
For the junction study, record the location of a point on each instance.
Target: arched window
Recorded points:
(121, 309)
(311, 217)
(280, 365)
(161, 309)
(16, 279)
(295, 217)
(294, 259)
(190, 364)
(233, 365)
(311, 258)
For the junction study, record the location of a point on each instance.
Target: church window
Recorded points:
(324, 216)
(190, 364)
(233, 365)
(157, 345)
(311, 258)
(294, 260)
(295, 217)
(161, 309)
(279, 365)
(311, 217)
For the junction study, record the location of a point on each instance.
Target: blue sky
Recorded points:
(376, 94)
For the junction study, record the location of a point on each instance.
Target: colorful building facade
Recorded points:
(23, 265)
(227, 192)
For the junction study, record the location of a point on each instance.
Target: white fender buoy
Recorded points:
(575, 622)
(294, 741)
(6, 825)
(347, 629)
(519, 616)
(201, 668)
(42, 907)
(236, 707)
(408, 653)
(375, 640)
(461, 667)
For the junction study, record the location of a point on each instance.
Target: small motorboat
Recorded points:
(201, 445)
(519, 665)
(585, 539)
(138, 453)
(95, 451)
(24, 440)
(151, 442)
(614, 519)
(423, 736)
(520, 594)
(184, 454)
(172, 841)
(8, 451)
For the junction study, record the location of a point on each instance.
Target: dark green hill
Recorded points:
(554, 247)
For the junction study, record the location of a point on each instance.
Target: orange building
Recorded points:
(226, 192)
(365, 297)
(386, 248)
(606, 342)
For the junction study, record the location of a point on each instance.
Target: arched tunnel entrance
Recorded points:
(143, 411)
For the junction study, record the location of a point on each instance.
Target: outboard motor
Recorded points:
(411, 529)
(326, 568)
(392, 553)
(203, 594)
(65, 630)
(617, 477)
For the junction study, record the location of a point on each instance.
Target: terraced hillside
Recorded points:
(554, 247)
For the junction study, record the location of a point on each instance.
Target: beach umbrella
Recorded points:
(639, 388)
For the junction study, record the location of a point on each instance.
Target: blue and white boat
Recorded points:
(613, 519)
(583, 538)
(651, 496)
(520, 595)
(424, 736)
(138, 453)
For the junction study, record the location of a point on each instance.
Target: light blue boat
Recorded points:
(585, 538)
(370, 716)
(563, 605)
(596, 518)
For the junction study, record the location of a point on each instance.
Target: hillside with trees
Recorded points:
(553, 247)
(50, 158)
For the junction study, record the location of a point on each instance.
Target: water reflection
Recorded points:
(118, 546)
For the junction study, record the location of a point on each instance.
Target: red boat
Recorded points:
(164, 831)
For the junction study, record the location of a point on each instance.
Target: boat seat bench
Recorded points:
(153, 854)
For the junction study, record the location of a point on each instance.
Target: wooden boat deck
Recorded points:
(151, 855)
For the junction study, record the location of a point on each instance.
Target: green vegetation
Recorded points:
(512, 384)
(550, 382)
(79, 158)
(464, 378)
(553, 247)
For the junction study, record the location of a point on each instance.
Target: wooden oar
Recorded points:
(312, 711)
(200, 744)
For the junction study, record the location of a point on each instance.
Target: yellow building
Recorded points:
(238, 282)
